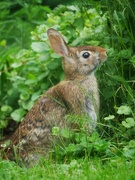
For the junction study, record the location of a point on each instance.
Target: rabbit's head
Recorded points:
(79, 62)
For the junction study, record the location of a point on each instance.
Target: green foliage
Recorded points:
(120, 76)
(17, 20)
(29, 67)
(124, 110)
(76, 143)
(128, 123)
(33, 71)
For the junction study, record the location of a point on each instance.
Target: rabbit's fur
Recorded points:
(77, 94)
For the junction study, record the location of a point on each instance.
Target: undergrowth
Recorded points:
(76, 169)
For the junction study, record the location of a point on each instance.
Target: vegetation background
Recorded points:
(28, 67)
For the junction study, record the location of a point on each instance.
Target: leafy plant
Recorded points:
(16, 24)
(116, 78)
(29, 67)
(33, 71)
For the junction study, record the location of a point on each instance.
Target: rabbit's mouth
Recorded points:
(96, 64)
(94, 67)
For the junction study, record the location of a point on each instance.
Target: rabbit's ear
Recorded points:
(57, 42)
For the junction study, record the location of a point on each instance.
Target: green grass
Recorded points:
(93, 169)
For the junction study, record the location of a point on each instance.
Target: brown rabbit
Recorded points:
(77, 94)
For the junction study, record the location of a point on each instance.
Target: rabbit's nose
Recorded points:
(97, 55)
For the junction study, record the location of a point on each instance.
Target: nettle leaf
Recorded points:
(30, 81)
(71, 147)
(124, 110)
(39, 46)
(22, 53)
(128, 123)
(101, 145)
(94, 137)
(18, 114)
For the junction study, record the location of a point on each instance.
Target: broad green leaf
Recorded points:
(22, 53)
(100, 145)
(131, 121)
(110, 117)
(118, 78)
(18, 114)
(43, 75)
(128, 123)
(31, 81)
(125, 124)
(94, 137)
(66, 133)
(36, 95)
(84, 144)
(71, 147)
(55, 56)
(73, 8)
(6, 108)
(124, 110)
(39, 46)
(24, 96)
(27, 105)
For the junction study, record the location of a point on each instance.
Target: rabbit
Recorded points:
(77, 94)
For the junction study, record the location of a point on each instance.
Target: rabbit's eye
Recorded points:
(86, 55)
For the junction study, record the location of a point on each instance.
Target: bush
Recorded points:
(35, 70)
